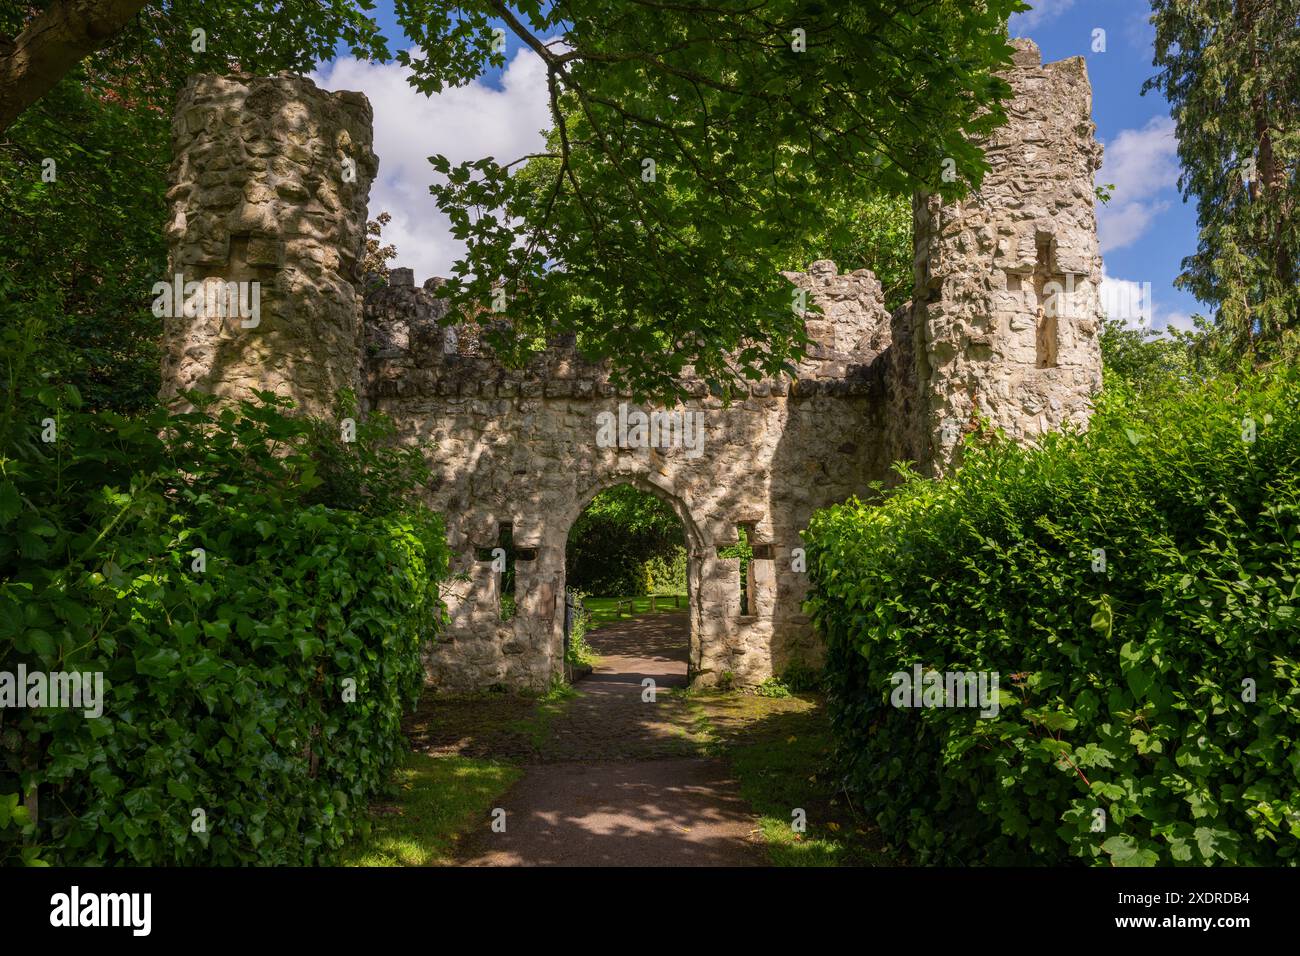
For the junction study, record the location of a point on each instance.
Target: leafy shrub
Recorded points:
(1157, 695)
(800, 678)
(84, 250)
(14, 817)
(796, 678)
(227, 673)
(579, 652)
(772, 687)
(1143, 359)
(665, 574)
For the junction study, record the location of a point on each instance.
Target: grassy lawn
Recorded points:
(781, 766)
(440, 797)
(536, 726)
(602, 609)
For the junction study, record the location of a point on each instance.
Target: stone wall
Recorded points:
(258, 191)
(519, 447)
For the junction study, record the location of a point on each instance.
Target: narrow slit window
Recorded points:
(1050, 291)
(744, 550)
(503, 556)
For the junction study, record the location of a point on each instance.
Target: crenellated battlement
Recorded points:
(410, 350)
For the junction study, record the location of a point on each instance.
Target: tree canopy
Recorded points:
(698, 149)
(1231, 72)
(697, 146)
(147, 45)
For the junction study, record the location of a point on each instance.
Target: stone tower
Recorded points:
(1006, 308)
(270, 181)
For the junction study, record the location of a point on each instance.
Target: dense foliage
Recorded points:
(255, 593)
(665, 573)
(625, 542)
(1144, 360)
(697, 148)
(83, 172)
(82, 250)
(143, 48)
(1229, 69)
(871, 230)
(1137, 589)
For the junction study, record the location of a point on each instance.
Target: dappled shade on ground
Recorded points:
(591, 805)
(692, 779)
(673, 812)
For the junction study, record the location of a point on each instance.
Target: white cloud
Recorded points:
(1132, 303)
(1122, 224)
(1126, 300)
(1043, 10)
(463, 123)
(1142, 164)
(1178, 320)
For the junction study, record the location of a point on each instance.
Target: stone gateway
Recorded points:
(270, 184)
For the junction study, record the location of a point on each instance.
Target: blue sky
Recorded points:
(1145, 230)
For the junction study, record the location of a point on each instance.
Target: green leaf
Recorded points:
(10, 502)
(1124, 851)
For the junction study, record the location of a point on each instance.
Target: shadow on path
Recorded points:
(614, 784)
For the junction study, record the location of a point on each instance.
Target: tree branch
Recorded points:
(52, 44)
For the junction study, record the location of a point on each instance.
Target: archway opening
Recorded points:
(627, 587)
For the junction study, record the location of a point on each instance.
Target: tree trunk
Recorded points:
(53, 43)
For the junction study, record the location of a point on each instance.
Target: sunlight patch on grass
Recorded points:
(783, 772)
(439, 798)
(603, 610)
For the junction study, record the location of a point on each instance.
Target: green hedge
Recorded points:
(226, 688)
(1124, 689)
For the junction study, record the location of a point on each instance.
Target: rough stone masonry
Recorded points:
(270, 182)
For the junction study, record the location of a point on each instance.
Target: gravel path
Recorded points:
(610, 785)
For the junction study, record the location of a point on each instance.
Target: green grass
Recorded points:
(549, 706)
(602, 609)
(438, 799)
(784, 769)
